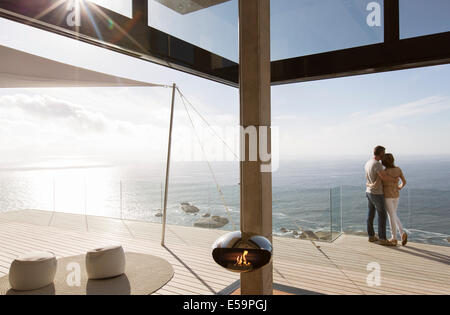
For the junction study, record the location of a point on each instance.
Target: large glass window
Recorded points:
(328, 130)
(424, 17)
(305, 27)
(102, 151)
(214, 28)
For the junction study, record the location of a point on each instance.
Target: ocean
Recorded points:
(326, 196)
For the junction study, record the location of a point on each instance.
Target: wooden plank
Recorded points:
(297, 263)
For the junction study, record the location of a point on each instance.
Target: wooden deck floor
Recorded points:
(337, 268)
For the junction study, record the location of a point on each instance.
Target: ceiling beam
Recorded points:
(403, 54)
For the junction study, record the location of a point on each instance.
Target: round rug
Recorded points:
(144, 275)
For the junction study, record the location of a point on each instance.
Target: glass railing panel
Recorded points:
(103, 196)
(301, 213)
(25, 190)
(70, 194)
(201, 205)
(85, 190)
(141, 200)
(424, 213)
(335, 212)
(421, 211)
(317, 214)
(196, 200)
(354, 209)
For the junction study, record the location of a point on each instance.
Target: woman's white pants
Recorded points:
(392, 206)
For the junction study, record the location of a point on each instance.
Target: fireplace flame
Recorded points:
(241, 261)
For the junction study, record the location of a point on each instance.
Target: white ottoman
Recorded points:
(32, 271)
(107, 262)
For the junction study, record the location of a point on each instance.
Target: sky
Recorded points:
(406, 111)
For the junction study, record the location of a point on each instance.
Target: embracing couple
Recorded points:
(383, 194)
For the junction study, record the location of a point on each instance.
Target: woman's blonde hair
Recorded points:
(388, 161)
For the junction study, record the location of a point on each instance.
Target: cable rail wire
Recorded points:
(219, 190)
(208, 124)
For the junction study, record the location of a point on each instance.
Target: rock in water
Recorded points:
(309, 235)
(213, 222)
(206, 215)
(188, 208)
(284, 230)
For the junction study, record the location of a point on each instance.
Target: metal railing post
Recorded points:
(85, 205)
(409, 208)
(331, 215)
(169, 149)
(342, 212)
(121, 201)
(85, 196)
(54, 195)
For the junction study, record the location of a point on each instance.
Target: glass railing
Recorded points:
(199, 204)
(312, 214)
(336, 213)
(423, 213)
(141, 200)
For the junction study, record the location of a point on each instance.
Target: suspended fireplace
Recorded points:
(242, 254)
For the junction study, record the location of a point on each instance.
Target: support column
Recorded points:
(140, 25)
(256, 186)
(140, 11)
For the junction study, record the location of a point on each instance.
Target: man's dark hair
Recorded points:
(379, 150)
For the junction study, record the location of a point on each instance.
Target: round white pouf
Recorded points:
(107, 262)
(32, 271)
